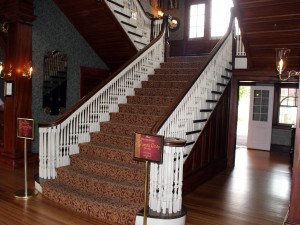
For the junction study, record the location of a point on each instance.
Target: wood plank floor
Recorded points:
(255, 192)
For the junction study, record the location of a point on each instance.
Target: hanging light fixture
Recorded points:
(281, 63)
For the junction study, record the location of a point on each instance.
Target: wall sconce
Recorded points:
(2, 70)
(174, 24)
(27, 70)
(160, 14)
(281, 62)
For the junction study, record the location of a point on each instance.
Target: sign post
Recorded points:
(148, 148)
(26, 131)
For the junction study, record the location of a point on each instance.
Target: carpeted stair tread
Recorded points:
(136, 119)
(176, 71)
(164, 84)
(101, 151)
(113, 140)
(167, 92)
(103, 186)
(142, 109)
(121, 212)
(167, 77)
(150, 100)
(123, 129)
(187, 58)
(196, 64)
(114, 170)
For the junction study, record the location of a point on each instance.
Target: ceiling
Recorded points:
(266, 25)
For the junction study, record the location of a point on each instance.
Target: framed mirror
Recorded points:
(55, 82)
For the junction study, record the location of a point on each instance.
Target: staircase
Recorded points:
(103, 180)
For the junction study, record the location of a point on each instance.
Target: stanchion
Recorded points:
(146, 195)
(25, 193)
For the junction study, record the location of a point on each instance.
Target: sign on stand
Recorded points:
(25, 130)
(148, 148)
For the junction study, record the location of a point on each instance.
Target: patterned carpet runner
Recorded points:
(103, 180)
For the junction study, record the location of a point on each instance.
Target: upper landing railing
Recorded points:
(140, 28)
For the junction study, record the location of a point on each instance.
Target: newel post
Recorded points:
(165, 195)
(167, 45)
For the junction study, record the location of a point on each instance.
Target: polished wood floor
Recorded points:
(255, 192)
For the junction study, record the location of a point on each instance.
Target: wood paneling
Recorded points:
(209, 154)
(90, 78)
(96, 23)
(294, 212)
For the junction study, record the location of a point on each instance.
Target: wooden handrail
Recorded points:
(164, 118)
(100, 86)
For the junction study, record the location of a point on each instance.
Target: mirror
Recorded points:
(55, 82)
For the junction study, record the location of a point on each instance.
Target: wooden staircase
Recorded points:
(103, 180)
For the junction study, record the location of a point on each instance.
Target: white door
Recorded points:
(260, 117)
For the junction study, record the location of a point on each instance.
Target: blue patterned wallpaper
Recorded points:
(52, 31)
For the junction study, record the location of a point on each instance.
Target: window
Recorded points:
(220, 17)
(288, 105)
(197, 14)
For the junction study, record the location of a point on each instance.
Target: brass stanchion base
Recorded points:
(21, 194)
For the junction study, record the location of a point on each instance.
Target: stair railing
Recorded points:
(140, 28)
(59, 139)
(179, 120)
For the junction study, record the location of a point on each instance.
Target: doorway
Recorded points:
(243, 116)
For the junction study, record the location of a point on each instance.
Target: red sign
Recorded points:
(26, 128)
(148, 147)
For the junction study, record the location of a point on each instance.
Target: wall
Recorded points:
(52, 31)
(281, 137)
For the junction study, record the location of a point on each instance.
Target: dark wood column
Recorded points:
(232, 123)
(19, 15)
(294, 211)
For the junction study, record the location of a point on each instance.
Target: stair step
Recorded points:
(116, 3)
(176, 71)
(164, 77)
(136, 119)
(181, 64)
(225, 77)
(122, 14)
(200, 121)
(211, 101)
(193, 132)
(150, 100)
(157, 92)
(123, 129)
(190, 143)
(206, 110)
(135, 34)
(216, 92)
(103, 152)
(142, 109)
(164, 84)
(91, 204)
(140, 42)
(88, 182)
(187, 58)
(112, 140)
(129, 24)
(221, 84)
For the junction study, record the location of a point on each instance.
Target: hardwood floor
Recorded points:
(255, 192)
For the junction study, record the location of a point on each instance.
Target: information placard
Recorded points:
(148, 147)
(25, 128)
